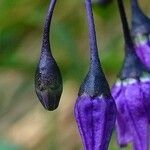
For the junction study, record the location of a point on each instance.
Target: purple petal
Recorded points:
(145, 87)
(96, 119)
(143, 51)
(123, 125)
(137, 116)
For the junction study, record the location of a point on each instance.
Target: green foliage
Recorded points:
(4, 145)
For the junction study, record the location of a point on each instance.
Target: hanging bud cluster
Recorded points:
(97, 109)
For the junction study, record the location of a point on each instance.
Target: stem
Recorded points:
(46, 43)
(92, 33)
(127, 36)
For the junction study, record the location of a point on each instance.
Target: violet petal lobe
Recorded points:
(123, 126)
(132, 102)
(142, 46)
(95, 118)
(145, 88)
(138, 116)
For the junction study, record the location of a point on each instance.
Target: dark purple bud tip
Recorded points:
(140, 22)
(132, 66)
(142, 46)
(95, 83)
(48, 80)
(101, 2)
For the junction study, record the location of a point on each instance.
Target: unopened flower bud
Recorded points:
(48, 80)
(95, 109)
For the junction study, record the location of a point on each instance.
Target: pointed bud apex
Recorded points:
(132, 97)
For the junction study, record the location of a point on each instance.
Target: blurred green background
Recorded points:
(24, 124)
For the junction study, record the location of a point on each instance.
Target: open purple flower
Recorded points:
(141, 33)
(132, 96)
(48, 80)
(95, 109)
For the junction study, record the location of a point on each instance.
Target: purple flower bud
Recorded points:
(132, 95)
(95, 118)
(141, 33)
(95, 109)
(48, 80)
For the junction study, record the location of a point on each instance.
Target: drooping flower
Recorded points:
(141, 33)
(95, 109)
(132, 95)
(48, 80)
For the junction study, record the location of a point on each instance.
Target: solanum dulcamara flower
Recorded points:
(95, 109)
